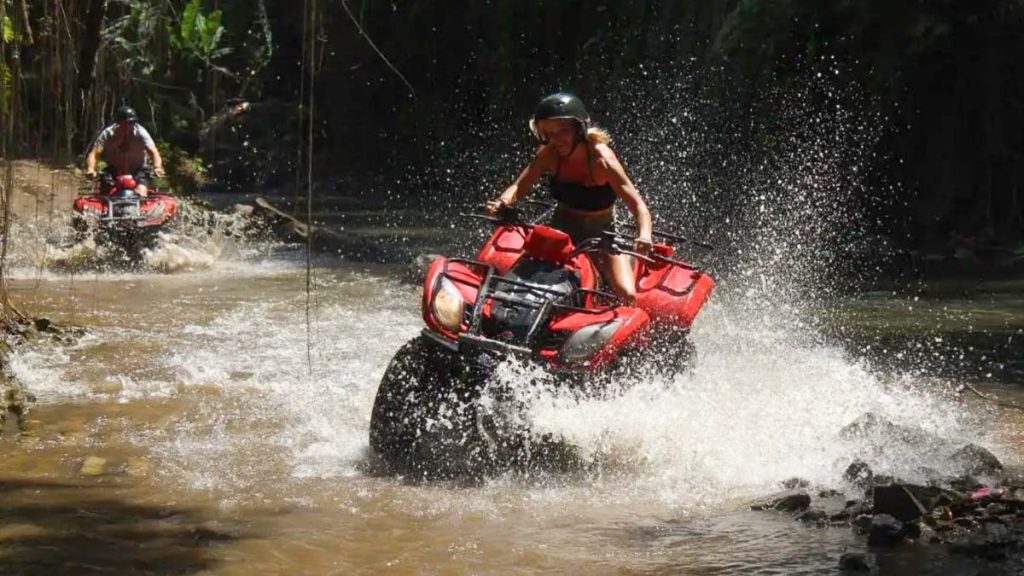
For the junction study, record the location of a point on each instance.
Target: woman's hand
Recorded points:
(643, 245)
(494, 206)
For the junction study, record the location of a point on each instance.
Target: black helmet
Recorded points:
(561, 105)
(126, 114)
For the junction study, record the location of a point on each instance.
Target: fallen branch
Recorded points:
(989, 397)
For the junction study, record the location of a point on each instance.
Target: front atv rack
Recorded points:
(489, 290)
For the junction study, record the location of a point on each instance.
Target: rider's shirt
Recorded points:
(579, 195)
(124, 148)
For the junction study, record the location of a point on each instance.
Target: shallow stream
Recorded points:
(215, 421)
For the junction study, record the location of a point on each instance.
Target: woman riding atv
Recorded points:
(586, 178)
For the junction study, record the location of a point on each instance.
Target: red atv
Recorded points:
(530, 293)
(119, 216)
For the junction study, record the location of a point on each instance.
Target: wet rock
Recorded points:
(43, 324)
(995, 530)
(862, 523)
(898, 502)
(855, 508)
(991, 542)
(785, 501)
(829, 493)
(1014, 495)
(858, 473)
(794, 483)
(858, 562)
(865, 424)
(968, 523)
(996, 509)
(882, 436)
(813, 516)
(976, 461)
(93, 466)
(927, 535)
(882, 480)
(930, 496)
(965, 483)
(885, 531)
(793, 503)
(207, 533)
(852, 509)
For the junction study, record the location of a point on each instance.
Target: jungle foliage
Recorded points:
(949, 75)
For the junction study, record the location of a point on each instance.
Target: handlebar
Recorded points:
(512, 216)
(610, 242)
(681, 239)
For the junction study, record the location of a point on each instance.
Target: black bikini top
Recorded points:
(580, 196)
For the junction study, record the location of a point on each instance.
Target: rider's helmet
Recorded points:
(561, 105)
(126, 114)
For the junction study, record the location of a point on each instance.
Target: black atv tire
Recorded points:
(425, 421)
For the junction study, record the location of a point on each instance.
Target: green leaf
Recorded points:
(188, 20)
(212, 32)
(7, 29)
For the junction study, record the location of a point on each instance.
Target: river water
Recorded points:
(214, 420)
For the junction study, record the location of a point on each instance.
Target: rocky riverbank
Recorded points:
(977, 512)
(15, 399)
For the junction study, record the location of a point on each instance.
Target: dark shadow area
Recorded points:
(67, 528)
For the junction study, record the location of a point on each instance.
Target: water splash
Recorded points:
(201, 239)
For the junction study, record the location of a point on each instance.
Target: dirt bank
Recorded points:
(44, 191)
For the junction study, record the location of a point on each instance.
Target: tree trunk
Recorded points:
(90, 44)
(26, 25)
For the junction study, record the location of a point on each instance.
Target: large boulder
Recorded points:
(881, 434)
(976, 461)
(884, 440)
(898, 502)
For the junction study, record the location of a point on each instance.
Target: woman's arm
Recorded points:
(524, 183)
(625, 189)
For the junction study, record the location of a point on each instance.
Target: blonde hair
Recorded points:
(598, 135)
(595, 134)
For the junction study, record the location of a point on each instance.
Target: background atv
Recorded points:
(532, 294)
(117, 216)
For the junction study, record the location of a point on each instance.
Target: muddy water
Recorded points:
(216, 422)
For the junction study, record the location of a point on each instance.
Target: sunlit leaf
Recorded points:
(7, 29)
(188, 20)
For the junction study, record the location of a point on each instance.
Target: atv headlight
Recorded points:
(448, 305)
(586, 341)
